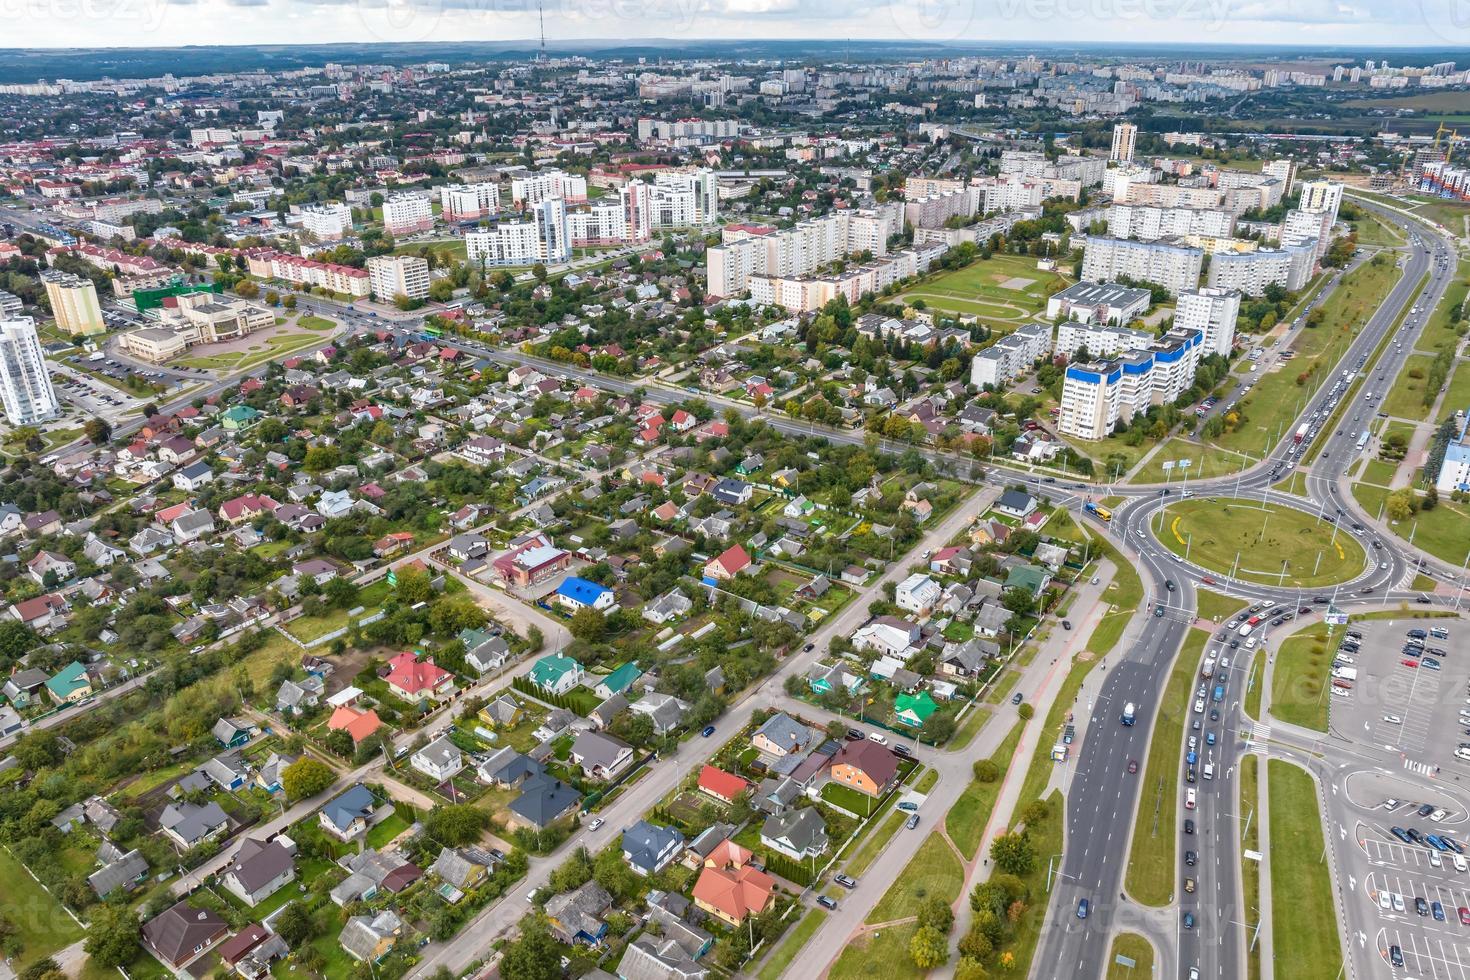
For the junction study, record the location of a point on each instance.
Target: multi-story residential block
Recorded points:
(469, 202)
(1099, 303)
(804, 294)
(752, 250)
(529, 190)
(540, 236)
(1251, 272)
(1099, 339)
(74, 303)
(684, 198)
(1098, 397)
(1149, 223)
(407, 214)
(1213, 312)
(1302, 226)
(1008, 358)
(1175, 267)
(398, 275)
(1125, 136)
(1321, 195)
(328, 222)
(25, 383)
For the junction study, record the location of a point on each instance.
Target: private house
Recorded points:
(228, 771)
(504, 712)
(260, 869)
(670, 605)
(181, 933)
(649, 848)
(664, 710)
(413, 680)
(730, 888)
(654, 958)
(723, 786)
(193, 477)
(967, 659)
(60, 567)
(575, 594)
(783, 735)
(268, 776)
(70, 684)
(576, 916)
(190, 824)
(1031, 578)
(125, 873)
(233, 732)
(440, 760)
(369, 938)
(1015, 503)
(556, 673)
(370, 872)
(865, 766)
(799, 834)
(461, 869)
(888, 635)
(41, 613)
(917, 594)
(600, 756)
(544, 800)
(618, 682)
(914, 709)
(296, 697)
(484, 651)
(24, 687)
(349, 815)
(359, 724)
(728, 564)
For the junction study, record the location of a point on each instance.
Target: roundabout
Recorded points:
(1262, 543)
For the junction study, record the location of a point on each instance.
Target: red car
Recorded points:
(1464, 916)
(1207, 580)
(1133, 765)
(1409, 663)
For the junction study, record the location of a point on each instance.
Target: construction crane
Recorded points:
(1449, 144)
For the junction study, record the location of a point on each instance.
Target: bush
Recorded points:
(986, 771)
(1026, 711)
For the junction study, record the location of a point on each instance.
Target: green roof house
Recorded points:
(914, 709)
(1029, 577)
(618, 681)
(70, 684)
(556, 673)
(238, 417)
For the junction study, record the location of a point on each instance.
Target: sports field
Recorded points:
(1005, 289)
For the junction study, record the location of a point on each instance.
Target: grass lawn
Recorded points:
(1001, 690)
(965, 822)
(849, 799)
(1459, 393)
(1301, 886)
(1217, 607)
(1205, 462)
(1379, 471)
(1217, 532)
(1046, 838)
(1300, 679)
(1255, 684)
(933, 871)
(390, 828)
(873, 844)
(1296, 484)
(1443, 531)
(1250, 871)
(972, 724)
(309, 322)
(1405, 398)
(258, 352)
(792, 944)
(1137, 949)
(986, 287)
(1151, 869)
(41, 924)
(1276, 397)
(1372, 231)
(879, 954)
(370, 597)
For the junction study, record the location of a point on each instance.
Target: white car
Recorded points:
(1459, 863)
(1398, 902)
(1199, 706)
(1385, 901)
(1393, 719)
(1439, 815)
(1341, 692)
(1189, 799)
(1434, 860)
(1193, 742)
(1224, 663)
(595, 824)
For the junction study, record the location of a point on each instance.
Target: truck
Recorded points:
(1128, 714)
(1345, 673)
(1301, 433)
(1208, 670)
(1245, 629)
(1059, 752)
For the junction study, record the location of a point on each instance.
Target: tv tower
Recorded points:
(541, 16)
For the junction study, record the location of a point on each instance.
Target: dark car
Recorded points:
(1425, 809)
(1189, 858)
(1188, 826)
(853, 735)
(1132, 766)
(1016, 698)
(1396, 956)
(1421, 906)
(1415, 836)
(901, 749)
(845, 881)
(1400, 834)
(1082, 908)
(1189, 920)
(1066, 624)
(1169, 586)
(826, 903)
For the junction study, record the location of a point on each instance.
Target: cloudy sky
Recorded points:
(67, 23)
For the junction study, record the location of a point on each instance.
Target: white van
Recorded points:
(877, 737)
(1209, 770)
(1189, 799)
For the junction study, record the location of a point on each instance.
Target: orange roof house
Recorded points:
(729, 888)
(412, 679)
(358, 724)
(728, 565)
(720, 784)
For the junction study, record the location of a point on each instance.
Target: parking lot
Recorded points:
(1399, 703)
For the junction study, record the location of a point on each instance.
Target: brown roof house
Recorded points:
(182, 933)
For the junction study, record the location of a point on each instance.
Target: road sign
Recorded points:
(1127, 962)
(1168, 465)
(1252, 855)
(1336, 617)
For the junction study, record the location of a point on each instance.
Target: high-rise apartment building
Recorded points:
(751, 250)
(1097, 397)
(1321, 195)
(1148, 223)
(327, 222)
(528, 190)
(406, 214)
(1289, 266)
(1010, 357)
(1125, 136)
(542, 235)
(1213, 313)
(468, 202)
(25, 384)
(398, 275)
(1175, 267)
(74, 303)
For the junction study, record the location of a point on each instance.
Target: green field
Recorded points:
(877, 839)
(1151, 867)
(792, 944)
(934, 870)
(42, 926)
(965, 822)
(1205, 462)
(1405, 399)
(1254, 540)
(1217, 607)
(1250, 871)
(1137, 949)
(1299, 680)
(1444, 532)
(883, 954)
(1301, 885)
(1458, 397)
(983, 288)
(258, 352)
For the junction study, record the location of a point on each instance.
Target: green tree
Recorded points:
(935, 913)
(306, 777)
(413, 586)
(1401, 504)
(1013, 854)
(294, 925)
(589, 625)
(112, 937)
(534, 956)
(455, 824)
(98, 431)
(319, 459)
(928, 948)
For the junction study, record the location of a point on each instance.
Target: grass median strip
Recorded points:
(1299, 680)
(932, 871)
(966, 820)
(1151, 869)
(795, 940)
(1250, 871)
(1136, 948)
(1303, 917)
(871, 846)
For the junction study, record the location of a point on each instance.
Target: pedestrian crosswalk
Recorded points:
(1255, 732)
(1423, 768)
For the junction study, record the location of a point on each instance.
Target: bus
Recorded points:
(1101, 513)
(431, 333)
(1362, 440)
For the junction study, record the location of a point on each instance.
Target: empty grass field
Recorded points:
(1299, 679)
(1264, 543)
(1301, 886)
(1004, 287)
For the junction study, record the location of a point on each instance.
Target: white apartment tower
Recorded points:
(1212, 312)
(398, 275)
(469, 202)
(1321, 195)
(1175, 267)
(1125, 136)
(327, 222)
(25, 384)
(73, 302)
(406, 214)
(541, 236)
(529, 190)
